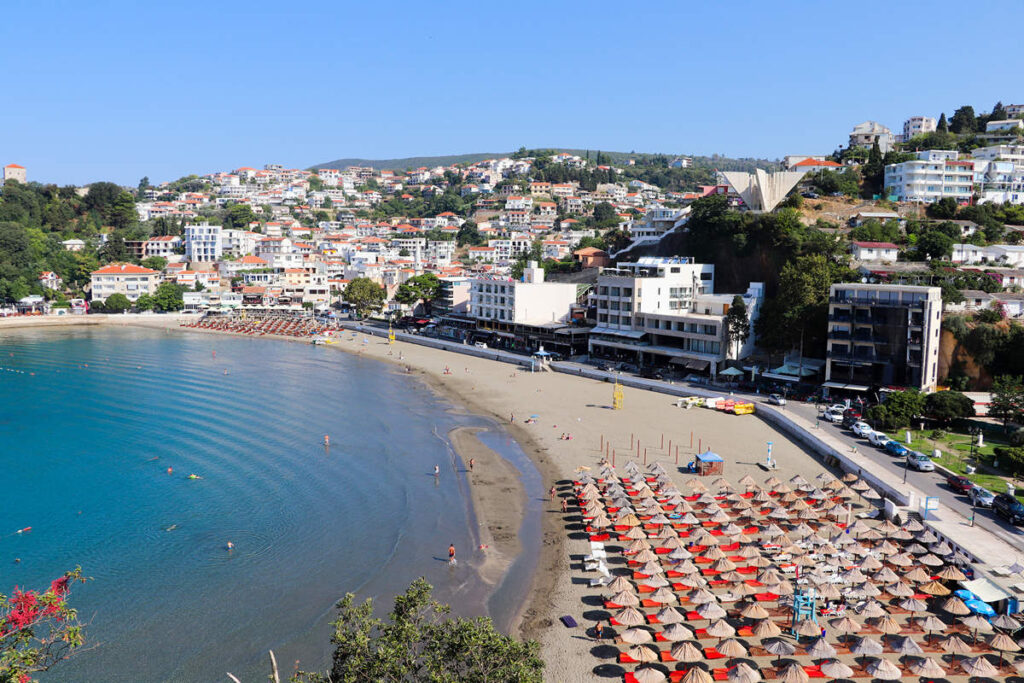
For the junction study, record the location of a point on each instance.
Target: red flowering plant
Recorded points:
(38, 629)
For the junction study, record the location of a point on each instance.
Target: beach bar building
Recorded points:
(709, 463)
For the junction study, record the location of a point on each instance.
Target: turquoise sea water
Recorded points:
(86, 443)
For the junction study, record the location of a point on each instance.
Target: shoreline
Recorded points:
(491, 501)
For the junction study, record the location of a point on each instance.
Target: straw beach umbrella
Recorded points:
(979, 666)
(913, 605)
(955, 606)
(643, 654)
(951, 573)
(821, 649)
(625, 598)
(669, 615)
(648, 674)
(754, 611)
(808, 628)
(676, 633)
(1006, 622)
(636, 636)
(794, 673)
(884, 670)
(630, 616)
(1003, 643)
(731, 648)
(935, 588)
(743, 673)
(766, 628)
(931, 623)
(696, 675)
(779, 648)
(835, 669)
(686, 652)
(720, 629)
(926, 668)
(955, 645)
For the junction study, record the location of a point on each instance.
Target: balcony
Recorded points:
(840, 318)
(839, 334)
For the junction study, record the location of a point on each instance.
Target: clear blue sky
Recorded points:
(117, 90)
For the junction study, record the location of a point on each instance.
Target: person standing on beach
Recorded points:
(552, 492)
(472, 461)
(565, 505)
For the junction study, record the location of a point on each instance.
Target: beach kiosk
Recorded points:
(709, 463)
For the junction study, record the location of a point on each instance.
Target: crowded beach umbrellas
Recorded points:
(978, 666)
(793, 673)
(927, 668)
(676, 633)
(696, 675)
(643, 654)
(1003, 643)
(636, 636)
(686, 652)
(779, 648)
(766, 628)
(821, 649)
(630, 616)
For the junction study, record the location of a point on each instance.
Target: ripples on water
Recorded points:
(87, 440)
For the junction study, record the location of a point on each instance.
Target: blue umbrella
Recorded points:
(965, 594)
(979, 607)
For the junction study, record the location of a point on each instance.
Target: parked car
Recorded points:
(1009, 508)
(861, 429)
(920, 462)
(960, 484)
(981, 497)
(776, 399)
(837, 408)
(810, 195)
(895, 448)
(651, 373)
(833, 417)
(480, 345)
(878, 439)
(603, 367)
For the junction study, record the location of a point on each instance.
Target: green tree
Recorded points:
(239, 216)
(605, 215)
(423, 287)
(898, 410)
(419, 642)
(365, 295)
(122, 214)
(934, 244)
(737, 323)
(38, 629)
(117, 303)
(946, 406)
(144, 303)
(942, 126)
(115, 249)
(155, 262)
(168, 297)
(469, 235)
(101, 196)
(963, 120)
(874, 172)
(1007, 398)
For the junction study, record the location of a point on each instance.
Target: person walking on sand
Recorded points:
(565, 505)
(552, 492)
(451, 554)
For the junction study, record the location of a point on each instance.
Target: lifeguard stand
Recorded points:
(805, 606)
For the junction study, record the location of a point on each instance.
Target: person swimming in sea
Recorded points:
(194, 476)
(230, 546)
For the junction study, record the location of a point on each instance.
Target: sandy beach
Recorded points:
(538, 409)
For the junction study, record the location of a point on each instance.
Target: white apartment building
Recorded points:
(531, 302)
(918, 125)
(203, 242)
(164, 246)
(1006, 255)
(664, 312)
(934, 175)
(123, 278)
(866, 134)
(239, 242)
(656, 221)
(509, 249)
(874, 251)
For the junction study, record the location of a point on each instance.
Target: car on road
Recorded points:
(878, 439)
(776, 399)
(981, 497)
(1009, 508)
(837, 408)
(895, 448)
(861, 429)
(920, 462)
(832, 416)
(960, 484)
(480, 345)
(603, 367)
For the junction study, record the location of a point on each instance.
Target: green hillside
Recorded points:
(617, 158)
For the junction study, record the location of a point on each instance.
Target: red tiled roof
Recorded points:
(123, 269)
(877, 245)
(816, 162)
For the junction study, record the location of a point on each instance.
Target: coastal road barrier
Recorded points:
(441, 344)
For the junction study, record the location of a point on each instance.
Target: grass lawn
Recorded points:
(954, 454)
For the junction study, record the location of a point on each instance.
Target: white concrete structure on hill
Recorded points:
(866, 134)
(762, 191)
(933, 175)
(123, 278)
(203, 242)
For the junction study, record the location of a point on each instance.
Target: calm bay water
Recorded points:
(86, 443)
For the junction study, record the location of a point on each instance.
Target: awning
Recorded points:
(690, 363)
(848, 387)
(732, 372)
(631, 334)
(986, 590)
(784, 378)
(709, 457)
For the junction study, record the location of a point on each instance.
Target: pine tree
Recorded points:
(943, 127)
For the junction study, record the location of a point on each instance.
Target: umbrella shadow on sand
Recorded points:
(609, 671)
(605, 652)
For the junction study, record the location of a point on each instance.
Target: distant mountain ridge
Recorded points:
(616, 158)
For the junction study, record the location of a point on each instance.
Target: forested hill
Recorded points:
(616, 158)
